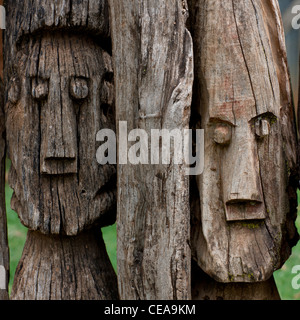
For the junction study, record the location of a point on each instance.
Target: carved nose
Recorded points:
(59, 132)
(242, 187)
(59, 156)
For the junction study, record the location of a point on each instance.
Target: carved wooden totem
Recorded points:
(59, 95)
(244, 227)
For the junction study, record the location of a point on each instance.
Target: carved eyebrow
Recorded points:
(215, 120)
(266, 115)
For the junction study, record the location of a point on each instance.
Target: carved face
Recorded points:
(60, 97)
(240, 233)
(243, 197)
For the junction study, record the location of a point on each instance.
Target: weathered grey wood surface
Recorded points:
(153, 65)
(54, 151)
(206, 288)
(244, 229)
(69, 268)
(60, 93)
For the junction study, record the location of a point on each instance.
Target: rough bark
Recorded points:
(59, 95)
(35, 15)
(153, 65)
(243, 229)
(4, 251)
(70, 268)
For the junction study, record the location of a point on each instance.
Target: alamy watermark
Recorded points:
(296, 279)
(161, 147)
(296, 18)
(2, 278)
(2, 18)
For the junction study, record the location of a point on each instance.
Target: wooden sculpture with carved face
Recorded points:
(60, 93)
(60, 96)
(244, 229)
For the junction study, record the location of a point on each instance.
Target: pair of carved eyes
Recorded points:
(223, 132)
(79, 89)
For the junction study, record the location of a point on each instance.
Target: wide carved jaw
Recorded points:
(50, 211)
(52, 166)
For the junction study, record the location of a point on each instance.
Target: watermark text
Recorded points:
(296, 18)
(166, 147)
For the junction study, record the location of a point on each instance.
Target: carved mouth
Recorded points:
(55, 166)
(245, 211)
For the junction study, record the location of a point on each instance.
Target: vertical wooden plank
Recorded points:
(153, 65)
(58, 73)
(243, 229)
(4, 252)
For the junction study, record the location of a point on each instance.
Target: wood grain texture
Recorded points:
(35, 15)
(4, 250)
(206, 288)
(58, 185)
(244, 228)
(60, 93)
(153, 65)
(70, 268)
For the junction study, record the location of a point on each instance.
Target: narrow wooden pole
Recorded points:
(4, 252)
(153, 64)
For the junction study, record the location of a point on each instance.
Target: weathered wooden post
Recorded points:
(4, 252)
(243, 229)
(59, 95)
(153, 64)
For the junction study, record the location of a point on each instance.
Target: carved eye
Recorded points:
(79, 89)
(40, 89)
(262, 128)
(14, 91)
(222, 134)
